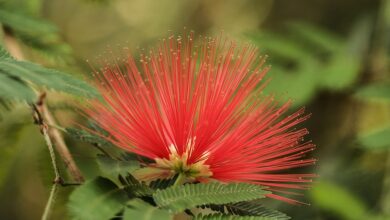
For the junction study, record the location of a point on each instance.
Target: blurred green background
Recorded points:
(331, 56)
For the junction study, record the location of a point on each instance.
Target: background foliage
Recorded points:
(331, 56)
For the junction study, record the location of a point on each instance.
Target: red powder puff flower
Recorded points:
(198, 111)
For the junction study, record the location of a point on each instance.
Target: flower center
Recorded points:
(178, 164)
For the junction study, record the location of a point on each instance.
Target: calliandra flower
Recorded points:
(197, 110)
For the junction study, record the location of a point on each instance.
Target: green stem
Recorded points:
(50, 202)
(180, 179)
(52, 154)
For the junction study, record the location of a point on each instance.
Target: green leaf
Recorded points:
(308, 58)
(4, 53)
(179, 198)
(279, 45)
(162, 183)
(134, 188)
(291, 83)
(248, 208)
(99, 199)
(39, 34)
(139, 210)
(376, 140)
(115, 167)
(231, 217)
(294, 67)
(48, 78)
(317, 36)
(11, 88)
(379, 91)
(5, 105)
(340, 72)
(25, 23)
(50, 48)
(338, 200)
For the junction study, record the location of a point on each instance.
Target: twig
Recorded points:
(50, 202)
(44, 129)
(43, 117)
(58, 140)
(59, 143)
(57, 179)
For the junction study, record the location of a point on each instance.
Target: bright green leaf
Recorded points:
(139, 210)
(279, 45)
(317, 36)
(340, 72)
(338, 200)
(308, 58)
(4, 53)
(379, 139)
(99, 199)
(179, 198)
(379, 91)
(298, 85)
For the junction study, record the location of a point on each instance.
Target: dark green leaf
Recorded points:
(39, 34)
(139, 210)
(248, 208)
(162, 183)
(115, 167)
(48, 78)
(179, 198)
(231, 217)
(134, 188)
(88, 137)
(25, 23)
(50, 48)
(99, 199)
(13, 89)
